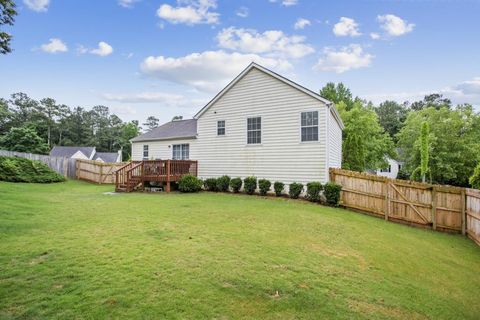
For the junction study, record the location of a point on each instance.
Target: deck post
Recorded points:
(168, 175)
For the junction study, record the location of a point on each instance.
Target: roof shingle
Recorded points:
(171, 130)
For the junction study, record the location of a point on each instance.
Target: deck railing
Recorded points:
(167, 171)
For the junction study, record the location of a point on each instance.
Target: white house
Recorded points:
(85, 153)
(392, 170)
(261, 124)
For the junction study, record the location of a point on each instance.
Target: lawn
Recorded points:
(69, 251)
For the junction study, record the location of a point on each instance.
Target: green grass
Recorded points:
(69, 251)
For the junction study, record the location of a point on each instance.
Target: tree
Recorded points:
(151, 123)
(434, 100)
(51, 112)
(24, 109)
(128, 131)
(7, 14)
(177, 118)
(24, 139)
(454, 143)
(337, 94)
(391, 116)
(424, 149)
(475, 178)
(365, 144)
(5, 116)
(353, 151)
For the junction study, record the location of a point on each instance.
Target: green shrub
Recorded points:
(189, 183)
(332, 193)
(278, 188)
(295, 189)
(236, 184)
(26, 170)
(222, 183)
(264, 186)
(475, 178)
(313, 191)
(210, 184)
(250, 185)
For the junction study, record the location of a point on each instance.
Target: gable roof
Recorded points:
(289, 82)
(178, 129)
(106, 156)
(68, 152)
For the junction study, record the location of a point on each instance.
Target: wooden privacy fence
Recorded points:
(442, 208)
(97, 171)
(64, 166)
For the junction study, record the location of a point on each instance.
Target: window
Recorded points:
(181, 151)
(221, 128)
(145, 152)
(309, 126)
(254, 130)
(389, 169)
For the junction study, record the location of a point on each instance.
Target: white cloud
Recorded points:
(346, 27)
(272, 43)
(301, 23)
(286, 3)
(374, 36)
(464, 92)
(55, 45)
(206, 71)
(345, 59)
(127, 3)
(190, 12)
(242, 12)
(167, 99)
(394, 26)
(123, 110)
(37, 5)
(104, 49)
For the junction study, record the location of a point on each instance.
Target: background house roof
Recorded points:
(106, 156)
(171, 130)
(67, 152)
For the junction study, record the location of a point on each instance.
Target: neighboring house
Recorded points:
(262, 125)
(85, 153)
(392, 170)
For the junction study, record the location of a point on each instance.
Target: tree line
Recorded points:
(28, 125)
(373, 133)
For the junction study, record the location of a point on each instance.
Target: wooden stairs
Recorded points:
(133, 175)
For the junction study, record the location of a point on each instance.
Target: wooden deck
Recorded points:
(134, 174)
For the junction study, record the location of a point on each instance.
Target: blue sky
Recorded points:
(166, 58)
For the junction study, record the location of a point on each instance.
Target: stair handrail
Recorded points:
(129, 174)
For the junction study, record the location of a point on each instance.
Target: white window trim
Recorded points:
(224, 128)
(181, 150)
(143, 151)
(300, 126)
(246, 131)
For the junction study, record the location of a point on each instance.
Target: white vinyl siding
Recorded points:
(281, 155)
(335, 143)
(162, 149)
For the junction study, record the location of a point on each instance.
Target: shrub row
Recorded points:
(14, 169)
(314, 191)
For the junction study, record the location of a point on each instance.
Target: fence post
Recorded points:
(168, 175)
(434, 208)
(464, 214)
(101, 174)
(387, 200)
(77, 165)
(65, 167)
